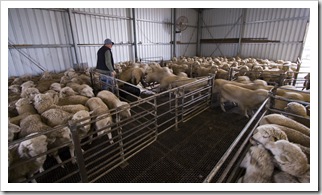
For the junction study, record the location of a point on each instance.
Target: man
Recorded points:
(105, 64)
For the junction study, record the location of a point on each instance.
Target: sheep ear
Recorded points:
(91, 112)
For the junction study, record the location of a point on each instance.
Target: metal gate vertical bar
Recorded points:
(78, 152)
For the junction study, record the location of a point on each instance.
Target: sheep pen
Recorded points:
(144, 133)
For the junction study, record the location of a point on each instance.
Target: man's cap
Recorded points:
(108, 41)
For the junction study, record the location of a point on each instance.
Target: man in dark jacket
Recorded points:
(105, 64)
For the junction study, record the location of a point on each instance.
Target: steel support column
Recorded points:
(72, 27)
(174, 32)
(199, 32)
(134, 32)
(241, 33)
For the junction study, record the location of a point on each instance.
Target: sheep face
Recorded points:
(87, 92)
(33, 147)
(30, 93)
(66, 91)
(267, 133)
(289, 157)
(296, 108)
(258, 164)
(55, 87)
(126, 112)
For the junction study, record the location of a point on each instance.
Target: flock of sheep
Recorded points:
(45, 106)
(280, 152)
(46, 102)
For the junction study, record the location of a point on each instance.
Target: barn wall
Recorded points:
(283, 29)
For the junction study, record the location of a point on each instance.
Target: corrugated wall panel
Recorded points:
(272, 51)
(222, 50)
(154, 33)
(286, 25)
(189, 35)
(186, 49)
(153, 52)
(34, 27)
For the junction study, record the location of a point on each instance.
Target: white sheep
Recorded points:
(66, 91)
(113, 102)
(55, 87)
(54, 117)
(84, 89)
(43, 102)
(72, 108)
(294, 135)
(72, 100)
(103, 118)
(245, 98)
(82, 117)
(259, 166)
(24, 105)
(288, 157)
(285, 121)
(29, 93)
(26, 85)
(23, 151)
(267, 133)
(299, 110)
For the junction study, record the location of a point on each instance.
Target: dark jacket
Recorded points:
(101, 59)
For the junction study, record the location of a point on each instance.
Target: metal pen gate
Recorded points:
(96, 154)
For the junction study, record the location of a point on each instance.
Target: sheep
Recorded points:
(29, 93)
(259, 166)
(44, 85)
(299, 110)
(293, 135)
(12, 130)
(286, 122)
(66, 91)
(245, 98)
(14, 89)
(24, 105)
(271, 133)
(113, 102)
(72, 100)
(43, 102)
(267, 133)
(84, 89)
(288, 157)
(99, 109)
(24, 151)
(26, 85)
(33, 124)
(54, 117)
(55, 87)
(72, 108)
(296, 108)
(53, 94)
(83, 117)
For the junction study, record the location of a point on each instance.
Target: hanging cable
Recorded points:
(27, 56)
